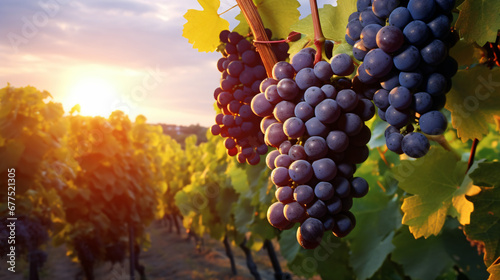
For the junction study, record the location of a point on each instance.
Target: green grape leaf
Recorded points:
(437, 182)
(10, 153)
(474, 100)
(465, 53)
(203, 27)
(421, 259)
(485, 220)
(333, 21)
(329, 259)
(377, 217)
(461, 251)
(479, 20)
(278, 22)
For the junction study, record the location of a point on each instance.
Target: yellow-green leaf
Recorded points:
(437, 182)
(474, 100)
(479, 20)
(203, 27)
(278, 22)
(485, 220)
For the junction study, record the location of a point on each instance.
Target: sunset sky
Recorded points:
(107, 55)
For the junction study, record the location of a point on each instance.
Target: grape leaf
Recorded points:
(485, 220)
(437, 182)
(465, 53)
(479, 20)
(473, 101)
(421, 259)
(203, 27)
(463, 254)
(277, 15)
(377, 217)
(332, 19)
(494, 271)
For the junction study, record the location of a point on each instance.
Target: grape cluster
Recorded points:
(406, 67)
(315, 121)
(242, 72)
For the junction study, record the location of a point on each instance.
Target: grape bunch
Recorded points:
(242, 72)
(315, 122)
(406, 67)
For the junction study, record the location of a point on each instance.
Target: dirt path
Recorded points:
(171, 256)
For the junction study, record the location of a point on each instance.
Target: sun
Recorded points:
(95, 96)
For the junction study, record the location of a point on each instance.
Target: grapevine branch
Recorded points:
(255, 22)
(319, 38)
(472, 154)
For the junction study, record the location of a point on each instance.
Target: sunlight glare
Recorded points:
(96, 96)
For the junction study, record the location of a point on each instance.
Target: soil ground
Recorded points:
(171, 256)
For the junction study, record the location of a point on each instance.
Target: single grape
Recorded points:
(314, 95)
(350, 123)
(294, 212)
(342, 187)
(283, 160)
(314, 127)
(369, 34)
(433, 123)
(400, 17)
(297, 152)
(377, 63)
(316, 147)
(342, 64)
(337, 141)
(408, 59)
(324, 191)
(416, 32)
(439, 27)
(400, 98)
(305, 79)
(389, 39)
(324, 169)
(328, 111)
(343, 225)
(421, 9)
(393, 142)
(300, 171)
(422, 102)
(282, 70)
(396, 117)
(284, 194)
(288, 89)
(303, 194)
(317, 209)
(347, 99)
(276, 217)
(280, 176)
(415, 145)
(434, 53)
(294, 127)
(284, 110)
(323, 71)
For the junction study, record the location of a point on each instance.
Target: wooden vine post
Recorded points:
(255, 22)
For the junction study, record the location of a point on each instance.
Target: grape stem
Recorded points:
(228, 10)
(472, 154)
(319, 38)
(382, 156)
(255, 22)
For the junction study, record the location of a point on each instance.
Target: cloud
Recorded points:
(57, 36)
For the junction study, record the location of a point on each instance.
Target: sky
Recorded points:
(111, 55)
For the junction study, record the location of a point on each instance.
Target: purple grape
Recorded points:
(300, 171)
(303, 194)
